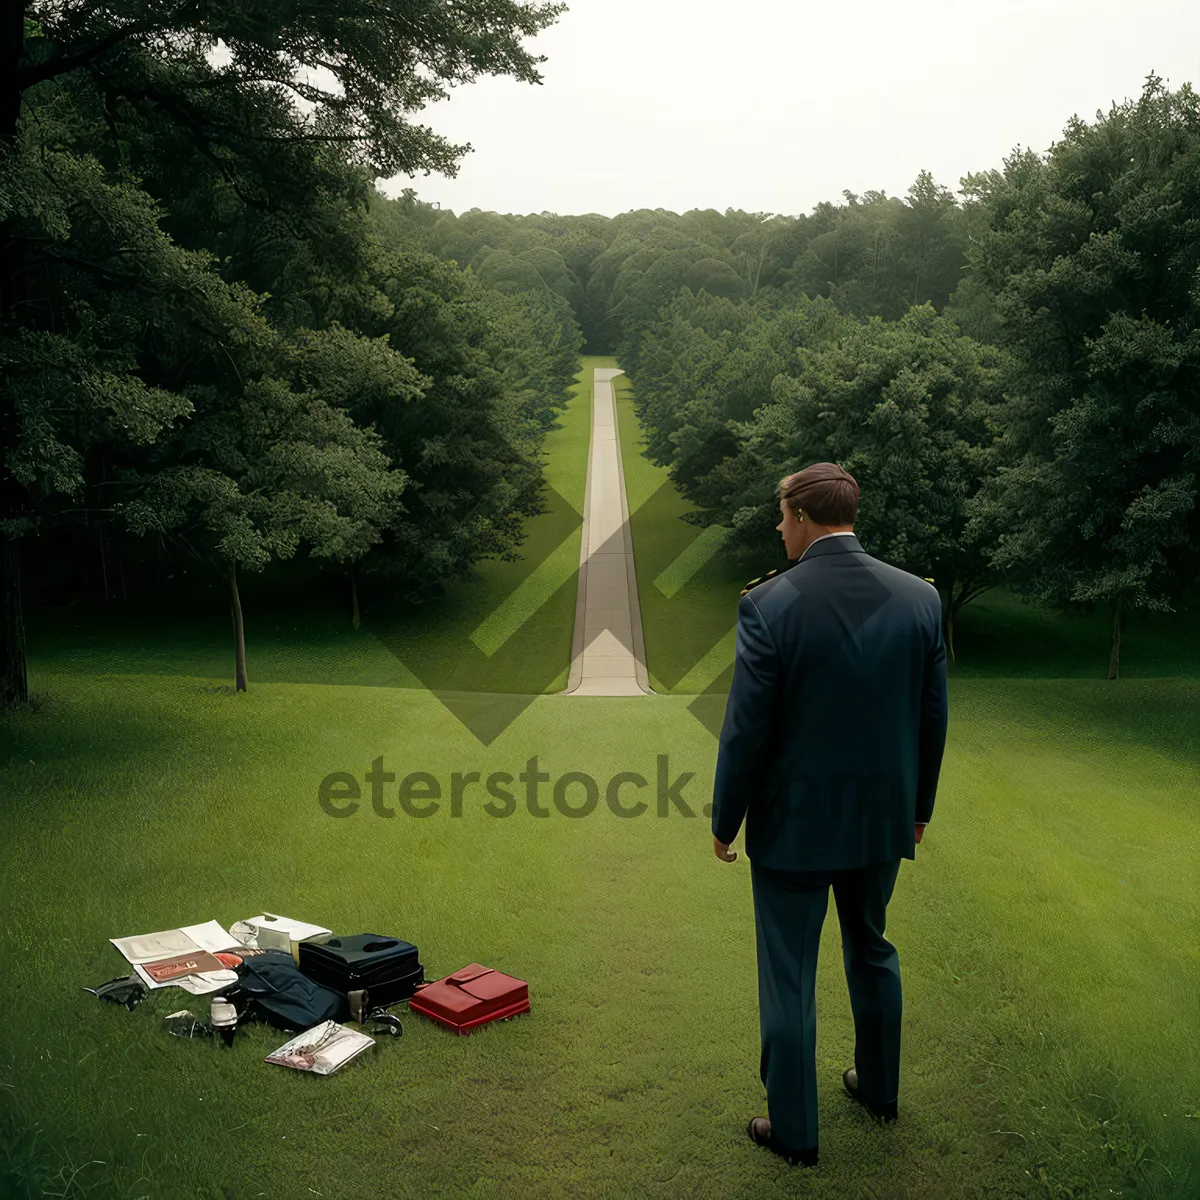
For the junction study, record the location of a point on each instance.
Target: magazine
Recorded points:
(322, 1050)
(168, 970)
(199, 984)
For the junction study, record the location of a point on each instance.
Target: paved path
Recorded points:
(608, 655)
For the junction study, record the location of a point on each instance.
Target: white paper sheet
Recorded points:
(211, 936)
(150, 947)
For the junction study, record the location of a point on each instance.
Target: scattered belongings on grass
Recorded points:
(294, 975)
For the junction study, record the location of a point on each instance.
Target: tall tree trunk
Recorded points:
(1114, 661)
(14, 679)
(103, 562)
(14, 685)
(239, 630)
(354, 595)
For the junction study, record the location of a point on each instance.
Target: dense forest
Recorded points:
(223, 346)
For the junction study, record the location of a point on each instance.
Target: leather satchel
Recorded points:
(471, 997)
(371, 971)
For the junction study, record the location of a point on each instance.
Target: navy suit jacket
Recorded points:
(836, 719)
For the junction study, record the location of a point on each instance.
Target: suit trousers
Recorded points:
(789, 910)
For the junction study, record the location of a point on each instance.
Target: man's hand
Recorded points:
(722, 851)
(919, 832)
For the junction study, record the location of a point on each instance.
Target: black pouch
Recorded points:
(280, 994)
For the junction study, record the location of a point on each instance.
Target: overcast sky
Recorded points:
(775, 105)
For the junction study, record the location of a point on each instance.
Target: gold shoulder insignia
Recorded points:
(755, 582)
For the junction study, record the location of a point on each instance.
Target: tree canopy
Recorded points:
(217, 334)
(206, 332)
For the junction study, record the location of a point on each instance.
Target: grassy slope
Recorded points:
(1050, 980)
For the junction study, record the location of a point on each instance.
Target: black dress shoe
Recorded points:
(761, 1134)
(850, 1082)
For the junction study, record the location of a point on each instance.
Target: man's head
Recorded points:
(820, 499)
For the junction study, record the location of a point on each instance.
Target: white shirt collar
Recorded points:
(839, 533)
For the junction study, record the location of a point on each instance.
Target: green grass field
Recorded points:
(1047, 930)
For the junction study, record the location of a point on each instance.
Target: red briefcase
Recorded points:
(471, 997)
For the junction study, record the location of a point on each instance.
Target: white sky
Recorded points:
(775, 105)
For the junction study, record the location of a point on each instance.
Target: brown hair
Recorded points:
(826, 492)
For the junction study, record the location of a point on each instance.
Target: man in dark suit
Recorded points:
(830, 751)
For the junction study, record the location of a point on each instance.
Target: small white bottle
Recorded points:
(223, 1018)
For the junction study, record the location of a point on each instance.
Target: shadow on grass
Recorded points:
(1002, 634)
(304, 638)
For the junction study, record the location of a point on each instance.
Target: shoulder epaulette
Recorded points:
(761, 579)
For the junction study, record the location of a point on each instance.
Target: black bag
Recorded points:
(386, 970)
(281, 995)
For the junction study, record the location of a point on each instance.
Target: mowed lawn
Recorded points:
(1047, 930)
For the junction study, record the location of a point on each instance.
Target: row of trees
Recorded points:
(214, 334)
(1012, 378)
(1042, 430)
(873, 255)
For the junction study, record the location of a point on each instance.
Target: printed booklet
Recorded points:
(322, 1050)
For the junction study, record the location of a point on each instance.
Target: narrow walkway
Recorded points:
(608, 655)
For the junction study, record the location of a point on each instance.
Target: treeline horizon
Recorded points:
(1012, 378)
(871, 254)
(224, 351)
